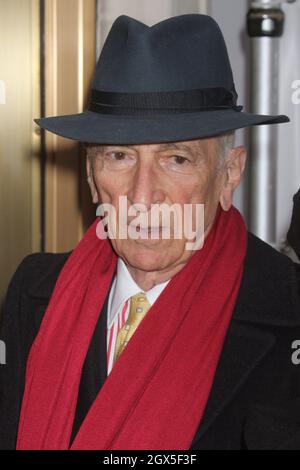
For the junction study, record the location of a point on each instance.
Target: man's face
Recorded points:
(173, 173)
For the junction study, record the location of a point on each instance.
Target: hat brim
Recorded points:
(91, 127)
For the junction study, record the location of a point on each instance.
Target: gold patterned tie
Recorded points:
(139, 306)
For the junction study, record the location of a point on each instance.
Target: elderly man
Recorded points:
(153, 340)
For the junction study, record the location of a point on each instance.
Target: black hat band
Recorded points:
(206, 99)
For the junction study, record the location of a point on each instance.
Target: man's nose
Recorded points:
(146, 187)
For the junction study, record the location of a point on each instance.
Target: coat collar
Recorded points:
(269, 292)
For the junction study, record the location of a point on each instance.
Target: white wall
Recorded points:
(288, 176)
(231, 15)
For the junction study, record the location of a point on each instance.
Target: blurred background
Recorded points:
(48, 50)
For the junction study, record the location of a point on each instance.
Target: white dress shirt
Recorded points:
(123, 287)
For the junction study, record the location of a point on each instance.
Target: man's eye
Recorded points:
(119, 160)
(179, 159)
(118, 155)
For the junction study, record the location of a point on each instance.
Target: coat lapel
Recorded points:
(94, 371)
(244, 348)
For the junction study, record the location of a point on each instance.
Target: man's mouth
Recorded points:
(149, 232)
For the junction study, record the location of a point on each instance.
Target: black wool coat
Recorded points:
(255, 399)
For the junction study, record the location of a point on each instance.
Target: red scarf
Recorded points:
(156, 394)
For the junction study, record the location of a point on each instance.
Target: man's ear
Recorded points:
(90, 180)
(233, 170)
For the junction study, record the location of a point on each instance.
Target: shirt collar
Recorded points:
(124, 287)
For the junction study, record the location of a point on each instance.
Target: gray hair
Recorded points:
(226, 143)
(92, 150)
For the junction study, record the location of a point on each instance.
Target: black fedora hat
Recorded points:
(168, 82)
